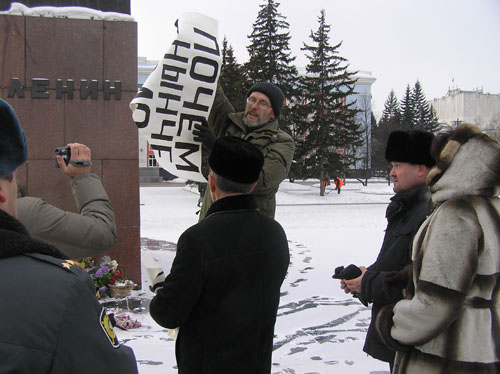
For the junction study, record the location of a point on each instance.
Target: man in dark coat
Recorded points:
(50, 319)
(224, 286)
(409, 154)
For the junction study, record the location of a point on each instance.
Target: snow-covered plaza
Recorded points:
(319, 328)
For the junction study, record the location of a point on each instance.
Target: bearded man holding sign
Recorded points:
(173, 105)
(259, 126)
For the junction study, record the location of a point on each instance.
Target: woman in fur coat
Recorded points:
(450, 322)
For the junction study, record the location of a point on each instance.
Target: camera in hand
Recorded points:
(64, 152)
(348, 273)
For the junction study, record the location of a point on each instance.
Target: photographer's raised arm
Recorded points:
(87, 233)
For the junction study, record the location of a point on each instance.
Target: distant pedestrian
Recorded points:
(338, 183)
(223, 289)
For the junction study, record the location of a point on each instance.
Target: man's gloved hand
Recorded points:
(157, 277)
(203, 134)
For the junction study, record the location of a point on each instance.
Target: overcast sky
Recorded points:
(439, 42)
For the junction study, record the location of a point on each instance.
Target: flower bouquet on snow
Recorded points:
(108, 279)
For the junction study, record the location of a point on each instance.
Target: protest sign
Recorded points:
(178, 94)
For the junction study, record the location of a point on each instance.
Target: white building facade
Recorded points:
(476, 107)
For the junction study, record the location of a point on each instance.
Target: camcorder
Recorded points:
(65, 153)
(348, 273)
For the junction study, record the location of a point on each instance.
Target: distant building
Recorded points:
(363, 97)
(481, 109)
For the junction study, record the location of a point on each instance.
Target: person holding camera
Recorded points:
(409, 154)
(84, 234)
(51, 319)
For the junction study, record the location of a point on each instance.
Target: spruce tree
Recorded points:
(407, 110)
(422, 112)
(433, 124)
(327, 121)
(270, 58)
(390, 121)
(232, 78)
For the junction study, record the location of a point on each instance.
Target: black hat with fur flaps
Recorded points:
(236, 159)
(13, 149)
(410, 146)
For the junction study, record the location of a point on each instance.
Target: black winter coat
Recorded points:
(50, 320)
(405, 214)
(223, 290)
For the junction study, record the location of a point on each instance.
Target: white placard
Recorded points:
(179, 93)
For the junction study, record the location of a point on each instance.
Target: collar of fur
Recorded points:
(468, 165)
(15, 240)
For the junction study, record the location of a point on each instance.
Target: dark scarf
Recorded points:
(15, 240)
(402, 201)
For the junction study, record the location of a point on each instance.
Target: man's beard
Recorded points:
(254, 124)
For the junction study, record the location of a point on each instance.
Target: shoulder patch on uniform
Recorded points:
(107, 327)
(68, 264)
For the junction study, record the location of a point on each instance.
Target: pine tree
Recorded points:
(326, 120)
(422, 112)
(270, 58)
(391, 116)
(433, 124)
(232, 77)
(390, 121)
(407, 110)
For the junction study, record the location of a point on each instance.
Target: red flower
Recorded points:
(118, 274)
(112, 280)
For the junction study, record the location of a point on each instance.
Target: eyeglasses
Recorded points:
(261, 103)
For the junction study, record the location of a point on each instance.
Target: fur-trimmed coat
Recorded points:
(452, 322)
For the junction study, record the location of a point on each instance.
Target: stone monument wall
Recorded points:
(71, 80)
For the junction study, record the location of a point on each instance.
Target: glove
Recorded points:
(203, 134)
(157, 278)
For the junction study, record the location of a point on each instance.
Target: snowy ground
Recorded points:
(319, 329)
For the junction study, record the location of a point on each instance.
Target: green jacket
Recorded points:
(276, 145)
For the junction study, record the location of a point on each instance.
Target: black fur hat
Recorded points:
(13, 149)
(236, 159)
(410, 146)
(273, 92)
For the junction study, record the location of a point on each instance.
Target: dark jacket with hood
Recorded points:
(223, 290)
(50, 319)
(405, 214)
